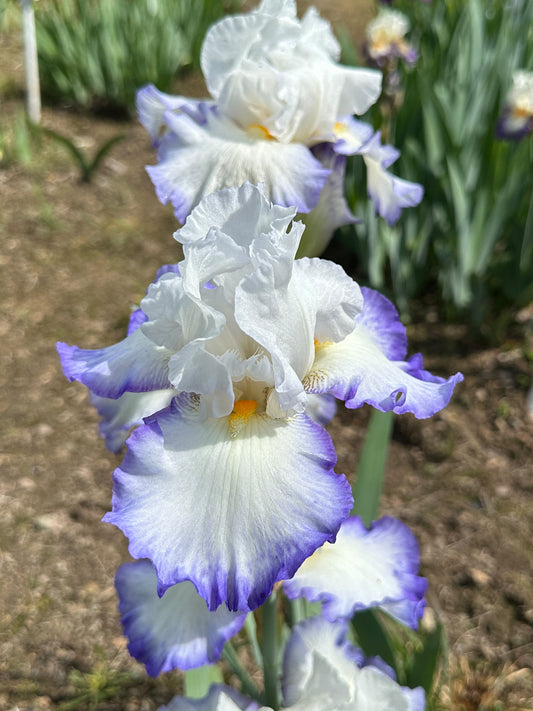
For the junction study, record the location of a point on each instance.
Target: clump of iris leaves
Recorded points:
(472, 234)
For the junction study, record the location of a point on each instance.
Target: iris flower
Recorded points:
(321, 672)
(279, 103)
(232, 485)
(385, 36)
(364, 568)
(516, 120)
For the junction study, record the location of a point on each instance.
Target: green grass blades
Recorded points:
(97, 54)
(474, 225)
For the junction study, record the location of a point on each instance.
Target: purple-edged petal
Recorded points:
(127, 411)
(175, 631)
(135, 364)
(137, 318)
(218, 698)
(389, 193)
(195, 160)
(358, 370)
(232, 504)
(364, 568)
(152, 104)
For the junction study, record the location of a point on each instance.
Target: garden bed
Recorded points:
(72, 255)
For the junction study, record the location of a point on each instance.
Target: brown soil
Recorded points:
(73, 258)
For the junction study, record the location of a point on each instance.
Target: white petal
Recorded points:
(195, 160)
(175, 317)
(232, 504)
(358, 369)
(363, 568)
(316, 641)
(320, 302)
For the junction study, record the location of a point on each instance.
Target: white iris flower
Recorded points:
(232, 485)
(279, 99)
(516, 120)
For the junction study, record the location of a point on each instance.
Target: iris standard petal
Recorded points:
(175, 631)
(243, 213)
(358, 370)
(195, 160)
(135, 364)
(316, 645)
(232, 504)
(354, 684)
(319, 303)
(364, 568)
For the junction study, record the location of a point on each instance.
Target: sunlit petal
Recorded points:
(232, 504)
(364, 568)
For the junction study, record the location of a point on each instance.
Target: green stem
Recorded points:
(297, 611)
(269, 645)
(248, 684)
(251, 631)
(371, 468)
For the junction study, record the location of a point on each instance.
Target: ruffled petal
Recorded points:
(232, 504)
(138, 317)
(243, 213)
(364, 568)
(270, 70)
(135, 364)
(195, 160)
(218, 698)
(127, 411)
(358, 370)
(175, 631)
(319, 303)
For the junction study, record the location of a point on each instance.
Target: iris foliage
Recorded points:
(473, 232)
(96, 53)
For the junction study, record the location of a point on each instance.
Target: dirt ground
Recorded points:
(73, 259)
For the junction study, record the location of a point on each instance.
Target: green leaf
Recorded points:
(427, 659)
(198, 681)
(103, 151)
(371, 468)
(373, 639)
